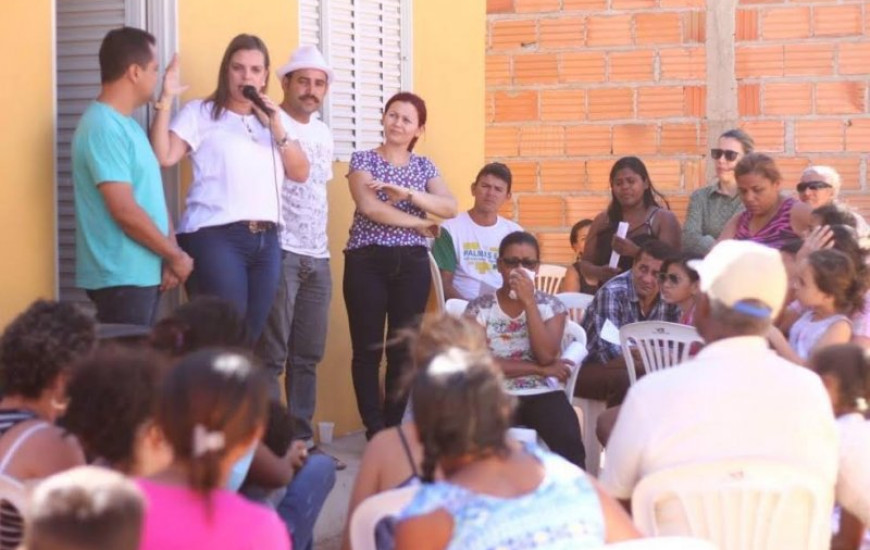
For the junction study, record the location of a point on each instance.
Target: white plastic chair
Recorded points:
(591, 408)
(660, 344)
(576, 302)
(455, 307)
(742, 504)
(549, 278)
(372, 510)
(662, 543)
(437, 282)
(574, 333)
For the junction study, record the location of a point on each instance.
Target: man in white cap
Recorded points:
(295, 334)
(737, 398)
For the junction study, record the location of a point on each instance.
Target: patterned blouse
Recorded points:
(563, 512)
(508, 337)
(775, 233)
(414, 175)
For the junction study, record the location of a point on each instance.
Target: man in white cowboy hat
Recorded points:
(737, 398)
(295, 334)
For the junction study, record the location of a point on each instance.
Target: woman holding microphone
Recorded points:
(241, 154)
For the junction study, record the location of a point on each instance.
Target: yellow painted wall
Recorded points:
(448, 74)
(26, 156)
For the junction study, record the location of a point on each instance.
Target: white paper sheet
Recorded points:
(621, 231)
(609, 333)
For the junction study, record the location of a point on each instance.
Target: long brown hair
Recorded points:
(219, 97)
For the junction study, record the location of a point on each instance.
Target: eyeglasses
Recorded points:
(812, 186)
(516, 262)
(730, 156)
(672, 278)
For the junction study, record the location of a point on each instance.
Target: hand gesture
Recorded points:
(818, 238)
(624, 247)
(393, 192)
(172, 81)
(523, 287)
(181, 265)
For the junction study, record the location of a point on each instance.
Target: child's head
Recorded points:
(460, 407)
(679, 282)
(205, 321)
(845, 371)
(212, 408)
(827, 279)
(85, 508)
(579, 232)
(279, 429)
(118, 425)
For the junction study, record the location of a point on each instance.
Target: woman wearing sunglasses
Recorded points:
(712, 206)
(771, 219)
(680, 286)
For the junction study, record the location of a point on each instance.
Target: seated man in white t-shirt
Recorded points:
(467, 249)
(737, 398)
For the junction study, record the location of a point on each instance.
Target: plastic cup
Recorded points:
(326, 430)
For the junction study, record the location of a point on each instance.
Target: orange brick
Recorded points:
(499, 6)
(536, 5)
(854, 57)
(632, 4)
(790, 169)
(541, 211)
(631, 66)
(861, 203)
(678, 204)
(564, 105)
(787, 98)
(498, 70)
(837, 20)
(839, 98)
(524, 176)
(489, 106)
(664, 173)
(542, 141)
(683, 63)
(694, 175)
(598, 174)
(818, 136)
(749, 100)
(694, 27)
(849, 168)
(682, 3)
(858, 135)
(536, 69)
(759, 61)
(793, 22)
(635, 139)
(769, 135)
(608, 30)
(516, 106)
(581, 67)
(588, 206)
(588, 139)
(562, 32)
(610, 103)
(695, 101)
(556, 248)
(563, 176)
(809, 59)
(679, 138)
(507, 210)
(586, 5)
(746, 25)
(660, 101)
(502, 141)
(511, 35)
(658, 28)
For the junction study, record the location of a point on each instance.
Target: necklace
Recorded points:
(244, 119)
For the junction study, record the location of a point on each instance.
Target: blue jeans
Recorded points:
(231, 262)
(383, 284)
(127, 305)
(296, 332)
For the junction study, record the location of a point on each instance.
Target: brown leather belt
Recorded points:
(257, 226)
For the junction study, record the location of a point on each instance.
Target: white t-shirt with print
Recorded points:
(476, 248)
(304, 206)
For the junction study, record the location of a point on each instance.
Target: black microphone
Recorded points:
(251, 93)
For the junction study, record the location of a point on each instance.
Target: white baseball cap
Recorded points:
(736, 271)
(306, 57)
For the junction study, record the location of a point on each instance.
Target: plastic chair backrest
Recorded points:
(662, 543)
(437, 282)
(574, 333)
(660, 345)
(13, 505)
(372, 510)
(549, 278)
(576, 302)
(455, 307)
(739, 504)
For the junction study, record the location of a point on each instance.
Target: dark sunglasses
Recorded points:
(812, 186)
(730, 156)
(669, 277)
(516, 262)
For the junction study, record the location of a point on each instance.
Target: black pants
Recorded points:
(553, 417)
(128, 305)
(382, 284)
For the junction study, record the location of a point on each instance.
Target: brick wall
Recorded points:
(572, 85)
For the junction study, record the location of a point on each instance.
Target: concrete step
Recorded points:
(330, 525)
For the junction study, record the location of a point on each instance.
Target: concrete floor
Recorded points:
(330, 525)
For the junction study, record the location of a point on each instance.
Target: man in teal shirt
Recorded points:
(125, 248)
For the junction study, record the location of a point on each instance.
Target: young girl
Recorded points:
(827, 286)
(680, 286)
(212, 410)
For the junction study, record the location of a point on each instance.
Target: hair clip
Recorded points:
(205, 441)
(449, 362)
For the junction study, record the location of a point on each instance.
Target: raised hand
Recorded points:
(172, 80)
